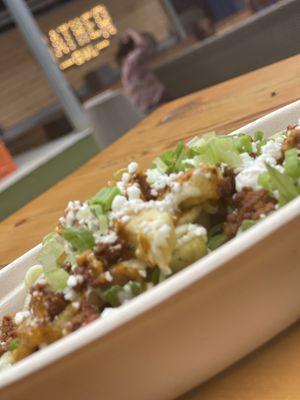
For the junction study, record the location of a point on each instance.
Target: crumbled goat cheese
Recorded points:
(158, 180)
(252, 168)
(272, 148)
(190, 231)
(133, 192)
(254, 147)
(86, 218)
(132, 168)
(76, 305)
(249, 176)
(247, 161)
(81, 215)
(178, 193)
(70, 219)
(125, 219)
(20, 316)
(110, 238)
(121, 185)
(190, 161)
(74, 280)
(70, 294)
(108, 276)
(125, 177)
(118, 202)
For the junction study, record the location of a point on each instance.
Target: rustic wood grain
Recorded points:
(271, 373)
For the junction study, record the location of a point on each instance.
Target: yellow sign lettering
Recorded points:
(81, 39)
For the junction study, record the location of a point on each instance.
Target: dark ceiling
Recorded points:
(36, 6)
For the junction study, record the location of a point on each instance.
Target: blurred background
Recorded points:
(110, 53)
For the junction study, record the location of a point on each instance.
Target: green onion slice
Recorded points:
(80, 238)
(14, 344)
(284, 184)
(217, 241)
(57, 279)
(105, 197)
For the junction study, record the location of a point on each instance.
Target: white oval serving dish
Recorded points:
(181, 332)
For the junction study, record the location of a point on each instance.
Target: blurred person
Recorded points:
(195, 18)
(203, 28)
(141, 85)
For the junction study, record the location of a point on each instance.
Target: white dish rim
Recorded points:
(156, 295)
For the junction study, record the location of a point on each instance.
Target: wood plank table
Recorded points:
(272, 372)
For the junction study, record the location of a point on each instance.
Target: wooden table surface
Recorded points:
(273, 372)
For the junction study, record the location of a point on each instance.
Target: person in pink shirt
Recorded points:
(141, 85)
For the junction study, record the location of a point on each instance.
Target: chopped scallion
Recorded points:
(217, 240)
(284, 184)
(246, 224)
(52, 253)
(111, 295)
(105, 197)
(14, 344)
(80, 238)
(259, 135)
(57, 279)
(292, 163)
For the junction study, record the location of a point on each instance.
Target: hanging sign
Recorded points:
(81, 39)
